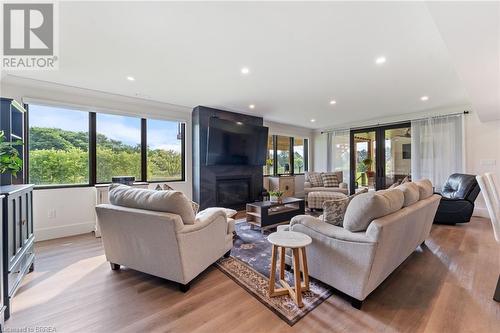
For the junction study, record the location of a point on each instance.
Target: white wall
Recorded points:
(482, 144)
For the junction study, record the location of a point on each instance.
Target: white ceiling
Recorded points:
(301, 55)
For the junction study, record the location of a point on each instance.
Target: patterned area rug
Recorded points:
(249, 266)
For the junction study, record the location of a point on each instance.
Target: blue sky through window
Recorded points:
(162, 134)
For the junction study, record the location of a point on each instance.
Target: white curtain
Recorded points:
(340, 147)
(437, 148)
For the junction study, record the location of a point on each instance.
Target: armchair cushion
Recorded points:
(460, 186)
(314, 178)
(366, 207)
(330, 180)
(161, 201)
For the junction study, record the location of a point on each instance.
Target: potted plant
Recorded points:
(276, 196)
(10, 162)
(368, 164)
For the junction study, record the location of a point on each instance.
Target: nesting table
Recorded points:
(297, 242)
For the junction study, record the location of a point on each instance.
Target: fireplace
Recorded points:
(233, 192)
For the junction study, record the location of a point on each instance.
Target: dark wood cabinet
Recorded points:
(17, 238)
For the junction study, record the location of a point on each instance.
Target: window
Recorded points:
(269, 167)
(283, 154)
(69, 147)
(58, 146)
(286, 155)
(299, 163)
(118, 147)
(165, 150)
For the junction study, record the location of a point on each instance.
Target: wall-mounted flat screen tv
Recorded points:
(236, 143)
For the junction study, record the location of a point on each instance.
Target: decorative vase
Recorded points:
(273, 198)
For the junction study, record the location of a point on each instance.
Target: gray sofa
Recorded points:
(357, 262)
(308, 187)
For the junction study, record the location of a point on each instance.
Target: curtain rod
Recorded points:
(395, 122)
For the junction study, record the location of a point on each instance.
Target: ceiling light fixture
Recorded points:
(130, 78)
(333, 102)
(313, 120)
(251, 106)
(380, 60)
(245, 71)
(424, 98)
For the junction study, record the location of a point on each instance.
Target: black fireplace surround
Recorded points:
(230, 186)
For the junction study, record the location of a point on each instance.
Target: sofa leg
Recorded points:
(496, 297)
(356, 303)
(114, 266)
(227, 254)
(184, 287)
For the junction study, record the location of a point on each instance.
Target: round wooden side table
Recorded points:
(296, 241)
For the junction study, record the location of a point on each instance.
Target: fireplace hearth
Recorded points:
(233, 192)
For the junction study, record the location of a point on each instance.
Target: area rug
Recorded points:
(249, 266)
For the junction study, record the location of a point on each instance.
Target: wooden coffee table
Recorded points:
(296, 241)
(267, 214)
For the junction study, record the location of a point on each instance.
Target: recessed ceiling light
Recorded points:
(245, 70)
(251, 106)
(239, 123)
(130, 78)
(380, 60)
(424, 98)
(333, 102)
(313, 120)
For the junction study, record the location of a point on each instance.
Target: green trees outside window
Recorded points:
(59, 147)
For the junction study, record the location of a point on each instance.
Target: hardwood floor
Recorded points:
(446, 286)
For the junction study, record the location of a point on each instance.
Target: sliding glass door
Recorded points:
(380, 156)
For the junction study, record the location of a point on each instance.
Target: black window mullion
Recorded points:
(144, 150)
(92, 149)
(275, 155)
(292, 157)
(183, 151)
(306, 155)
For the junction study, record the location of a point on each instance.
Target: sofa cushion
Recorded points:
(366, 207)
(411, 193)
(314, 178)
(330, 180)
(425, 188)
(162, 201)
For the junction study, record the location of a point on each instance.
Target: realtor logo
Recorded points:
(29, 32)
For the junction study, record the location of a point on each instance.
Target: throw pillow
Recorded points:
(411, 193)
(315, 179)
(196, 207)
(334, 210)
(330, 180)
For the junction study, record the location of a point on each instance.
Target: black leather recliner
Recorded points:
(457, 199)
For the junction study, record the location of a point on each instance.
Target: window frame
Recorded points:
(92, 139)
(292, 157)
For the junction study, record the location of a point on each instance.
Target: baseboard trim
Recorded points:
(481, 212)
(42, 234)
